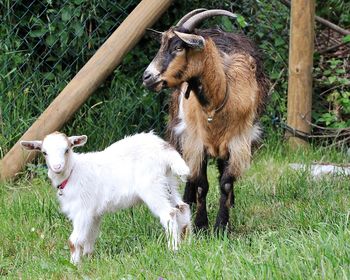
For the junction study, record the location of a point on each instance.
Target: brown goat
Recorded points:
(220, 89)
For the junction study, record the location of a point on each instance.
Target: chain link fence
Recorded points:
(45, 43)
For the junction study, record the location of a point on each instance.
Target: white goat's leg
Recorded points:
(175, 197)
(160, 206)
(184, 220)
(91, 238)
(75, 248)
(82, 225)
(169, 222)
(184, 214)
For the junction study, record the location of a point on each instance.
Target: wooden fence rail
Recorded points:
(85, 82)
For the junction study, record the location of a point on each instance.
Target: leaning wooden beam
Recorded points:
(324, 21)
(86, 81)
(301, 51)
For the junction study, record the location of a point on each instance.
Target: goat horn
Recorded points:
(188, 15)
(192, 22)
(154, 31)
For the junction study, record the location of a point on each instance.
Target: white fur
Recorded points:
(240, 149)
(139, 168)
(255, 133)
(152, 69)
(181, 126)
(319, 170)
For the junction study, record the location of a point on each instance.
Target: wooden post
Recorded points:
(85, 82)
(301, 51)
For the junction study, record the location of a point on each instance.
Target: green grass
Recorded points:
(285, 225)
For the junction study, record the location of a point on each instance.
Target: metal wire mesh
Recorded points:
(45, 43)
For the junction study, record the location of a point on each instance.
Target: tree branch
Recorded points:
(324, 21)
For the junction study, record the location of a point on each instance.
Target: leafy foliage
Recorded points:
(333, 102)
(337, 11)
(45, 43)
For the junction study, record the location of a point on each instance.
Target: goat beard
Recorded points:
(159, 86)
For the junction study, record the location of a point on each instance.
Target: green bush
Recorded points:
(45, 43)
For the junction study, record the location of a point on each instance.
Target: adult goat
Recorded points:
(220, 90)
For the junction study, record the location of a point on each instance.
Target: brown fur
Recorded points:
(167, 146)
(226, 93)
(185, 232)
(71, 247)
(235, 73)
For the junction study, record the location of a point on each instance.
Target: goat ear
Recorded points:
(78, 141)
(31, 145)
(154, 34)
(192, 40)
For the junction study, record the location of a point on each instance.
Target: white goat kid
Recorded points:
(139, 168)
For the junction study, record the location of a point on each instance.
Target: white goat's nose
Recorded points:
(57, 166)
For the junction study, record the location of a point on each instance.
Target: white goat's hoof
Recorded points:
(74, 260)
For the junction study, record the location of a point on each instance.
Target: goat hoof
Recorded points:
(201, 230)
(201, 227)
(74, 260)
(201, 222)
(221, 228)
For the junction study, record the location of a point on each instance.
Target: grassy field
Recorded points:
(285, 225)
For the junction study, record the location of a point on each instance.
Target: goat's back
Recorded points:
(230, 43)
(114, 178)
(134, 158)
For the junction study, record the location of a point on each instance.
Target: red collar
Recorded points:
(64, 183)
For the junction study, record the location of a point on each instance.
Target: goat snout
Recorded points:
(147, 76)
(152, 80)
(57, 168)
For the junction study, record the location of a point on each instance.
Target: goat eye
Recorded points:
(66, 152)
(44, 153)
(177, 49)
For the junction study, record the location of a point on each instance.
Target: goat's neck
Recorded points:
(210, 84)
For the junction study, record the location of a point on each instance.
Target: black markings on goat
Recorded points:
(195, 85)
(225, 73)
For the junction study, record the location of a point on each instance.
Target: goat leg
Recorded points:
(201, 220)
(190, 193)
(227, 194)
(79, 241)
(200, 188)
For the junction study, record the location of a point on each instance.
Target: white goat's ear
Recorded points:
(32, 145)
(192, 40)
(78, 141)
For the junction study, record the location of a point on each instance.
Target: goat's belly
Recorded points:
(113, 205)
(217, 148)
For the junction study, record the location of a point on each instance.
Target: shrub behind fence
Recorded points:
(45, 43)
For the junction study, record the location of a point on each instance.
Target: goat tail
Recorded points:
(177, 165)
